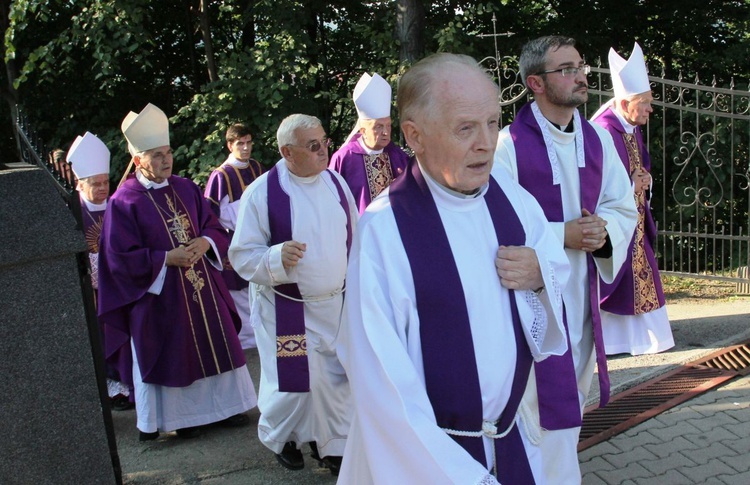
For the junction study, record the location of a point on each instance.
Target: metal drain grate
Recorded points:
(653, 397)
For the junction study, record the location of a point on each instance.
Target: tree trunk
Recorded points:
(410, 20)
(206, 31)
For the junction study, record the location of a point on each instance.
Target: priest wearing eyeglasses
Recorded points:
(170, 325)
(369, 161)
(293, 234)
(572, 168)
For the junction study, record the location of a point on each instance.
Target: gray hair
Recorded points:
(415, 88)
(285, 135)
(534, 53)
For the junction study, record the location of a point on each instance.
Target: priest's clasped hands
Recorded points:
(587, 233)
(186, 256)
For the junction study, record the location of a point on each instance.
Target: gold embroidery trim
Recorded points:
(379, 173)
(645, 298)
(291, 346)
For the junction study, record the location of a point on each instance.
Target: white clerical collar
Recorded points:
(93, 207)
(625, 123)
(450, 198)
(236, 163)
(150, 184)
(368, 150)
(552, 134)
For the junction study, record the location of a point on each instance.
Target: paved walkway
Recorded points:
(703, 441)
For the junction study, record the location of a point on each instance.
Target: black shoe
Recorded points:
(142, 436)
(333, 463)
(235, 421)
(188, 433)
(121, 403)
(290, 457)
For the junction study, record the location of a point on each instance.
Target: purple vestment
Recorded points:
(367, 180)
(189, 330)
(559, 407)
(291, 341)
(230, 181)
(92, 229)
(625, 295)
(453, 385)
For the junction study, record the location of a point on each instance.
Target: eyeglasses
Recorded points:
(315, 145)
(569, 71)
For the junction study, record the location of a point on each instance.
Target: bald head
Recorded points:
(421, 89)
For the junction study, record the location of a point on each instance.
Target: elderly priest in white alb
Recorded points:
(453, 290)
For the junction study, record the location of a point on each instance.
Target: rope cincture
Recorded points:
(311, 299)
(489, 429)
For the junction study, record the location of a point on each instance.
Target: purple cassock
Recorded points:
(230, 181)
(557, 387)
(368, 175)
(444, 327)
(189, 330)
(637, 288)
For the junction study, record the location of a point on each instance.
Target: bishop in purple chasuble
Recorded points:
(637, 288)
(189, 330)
(368, 175)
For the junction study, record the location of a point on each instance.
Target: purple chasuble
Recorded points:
(453, 387)
(619, 297)
(92, 226)
(557, 387)
(291, 342)
(349, 162)
(230, 181)
(189, 330)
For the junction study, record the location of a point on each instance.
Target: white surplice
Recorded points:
(394, 436)
(323, 414)
(617, 207)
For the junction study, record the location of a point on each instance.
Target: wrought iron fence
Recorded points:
(699, 141)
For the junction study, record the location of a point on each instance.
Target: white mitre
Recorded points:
(629, 77)
(146, 130)
(372, 97)
(88, 156)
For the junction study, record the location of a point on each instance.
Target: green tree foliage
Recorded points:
(83, 65)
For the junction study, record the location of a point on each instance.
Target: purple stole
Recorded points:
(557, 387)
(451, 375)
(291, 343)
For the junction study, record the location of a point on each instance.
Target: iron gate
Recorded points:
(699, 142)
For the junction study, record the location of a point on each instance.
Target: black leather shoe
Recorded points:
(290, 457)
(188, 433)
(147, 436)
(235, 421)
(121, 403)
(333, 463)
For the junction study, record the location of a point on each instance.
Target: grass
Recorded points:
(683, 288)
